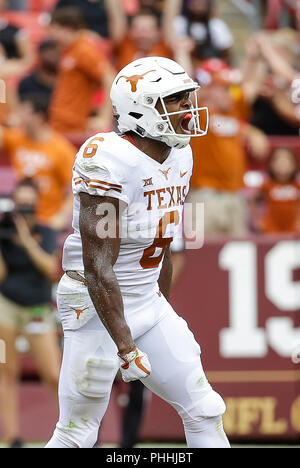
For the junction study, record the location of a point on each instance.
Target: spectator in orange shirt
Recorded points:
(142, 37)
(82, 70)
(280, 195)
(220, 157)
(36, 151)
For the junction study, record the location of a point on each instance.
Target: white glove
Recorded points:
(134, 365)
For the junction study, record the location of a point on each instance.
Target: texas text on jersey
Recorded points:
(154, 199)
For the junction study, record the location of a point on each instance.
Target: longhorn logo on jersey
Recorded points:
(165, 173)
(79, 311)
(133, 80)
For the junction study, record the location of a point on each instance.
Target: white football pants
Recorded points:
(90, 364)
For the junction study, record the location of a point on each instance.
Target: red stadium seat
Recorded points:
(41, 5)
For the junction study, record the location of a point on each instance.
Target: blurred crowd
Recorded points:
(58, 59)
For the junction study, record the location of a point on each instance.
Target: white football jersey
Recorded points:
(109, 165)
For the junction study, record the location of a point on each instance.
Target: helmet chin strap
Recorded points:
(177, 143)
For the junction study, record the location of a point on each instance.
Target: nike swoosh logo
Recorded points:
(183, 173)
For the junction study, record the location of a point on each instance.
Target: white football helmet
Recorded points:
(140, 85)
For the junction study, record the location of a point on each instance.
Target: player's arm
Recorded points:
(99, 257)
(165, 277)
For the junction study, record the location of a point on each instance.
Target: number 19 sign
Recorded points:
(244, 338)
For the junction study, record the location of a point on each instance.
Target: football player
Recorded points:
(129, 191)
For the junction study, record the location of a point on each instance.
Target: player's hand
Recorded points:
(134, 365)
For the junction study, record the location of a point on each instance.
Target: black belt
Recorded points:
(76, 276)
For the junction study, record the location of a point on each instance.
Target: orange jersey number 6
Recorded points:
(91, 148)
(147, 260)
